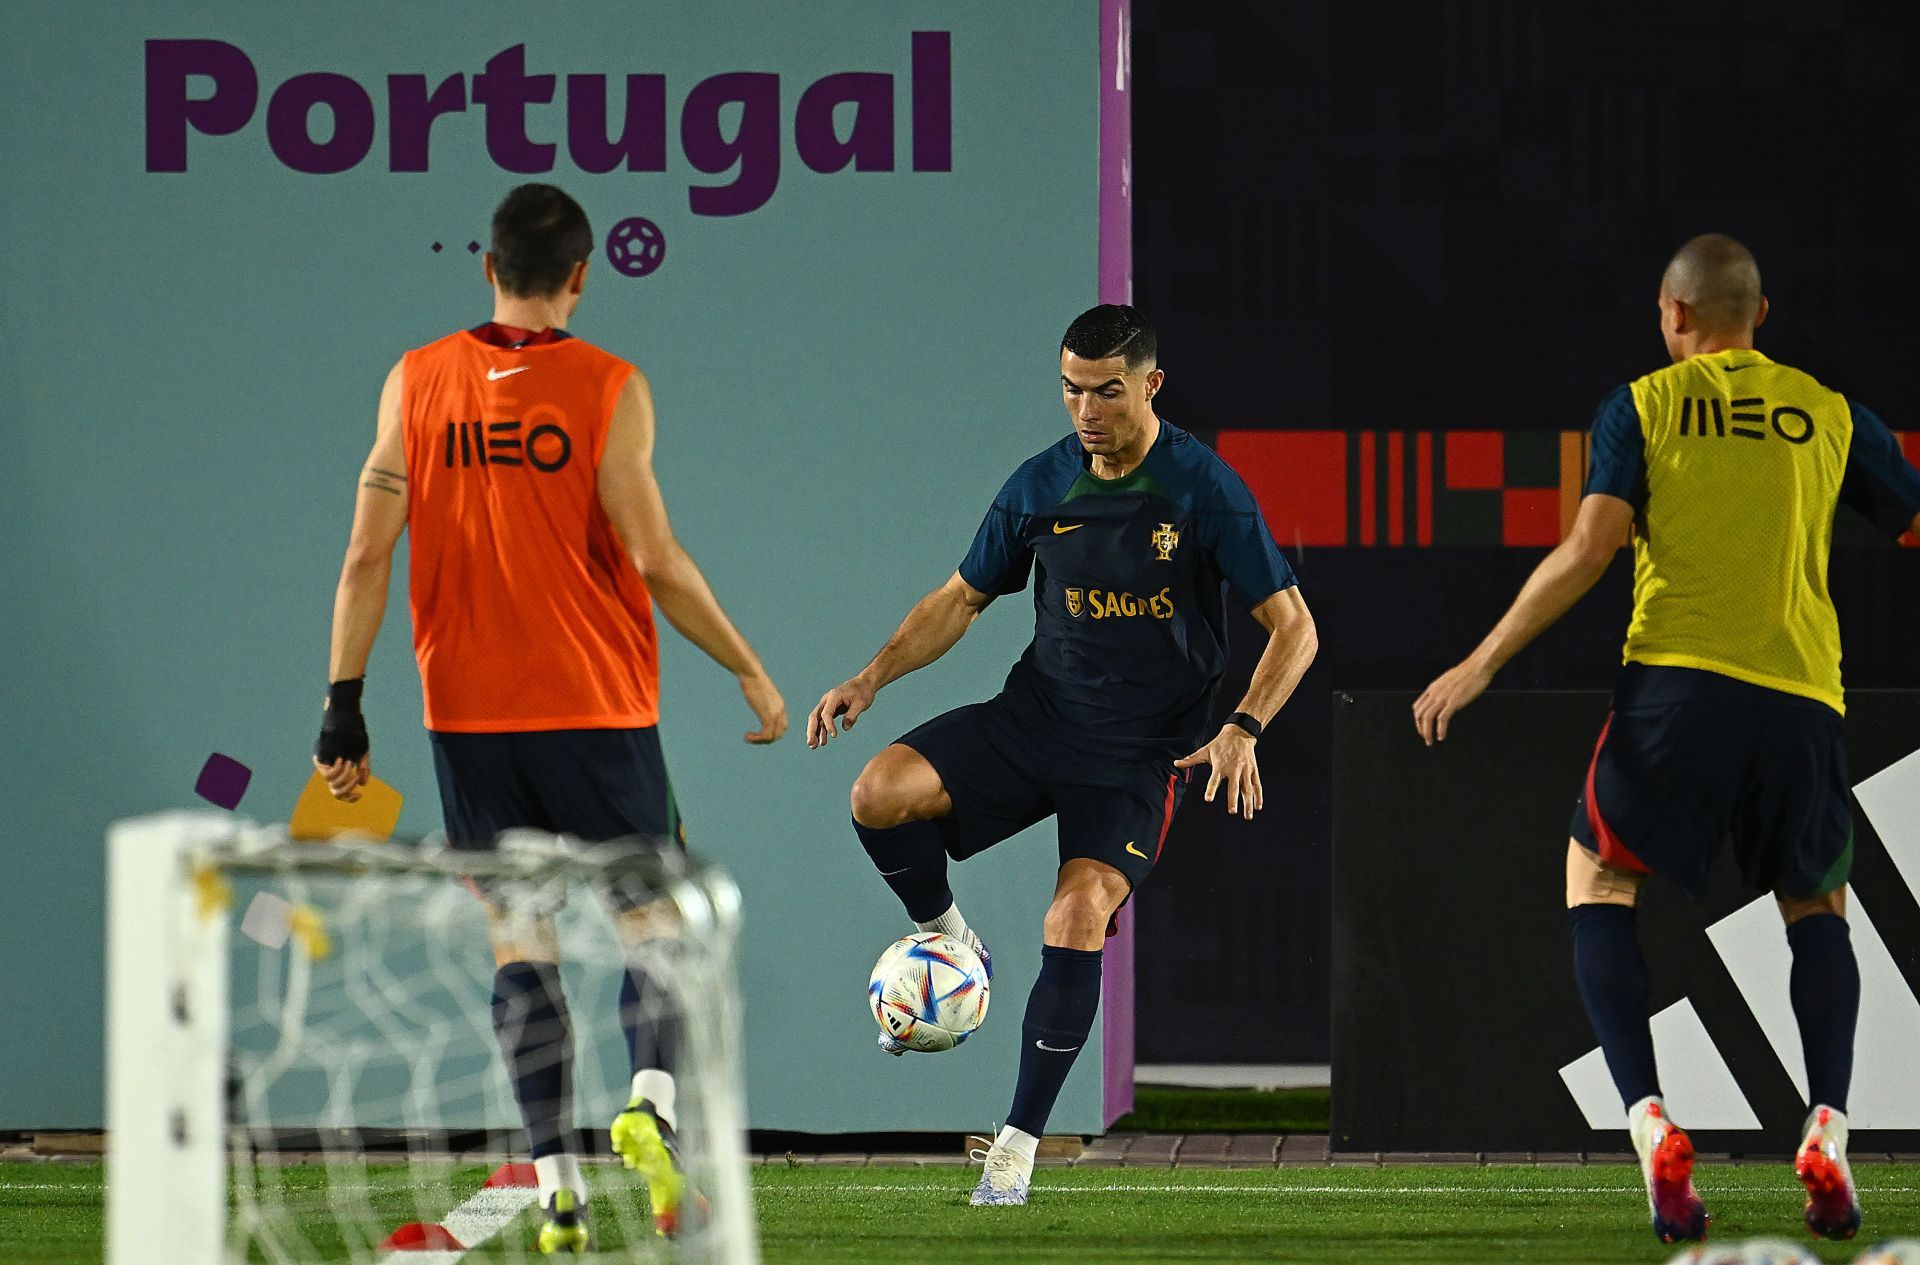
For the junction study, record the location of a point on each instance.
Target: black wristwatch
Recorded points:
(1246, 722)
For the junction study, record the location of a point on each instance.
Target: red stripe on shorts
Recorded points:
(1166, 819)
(1612, 851)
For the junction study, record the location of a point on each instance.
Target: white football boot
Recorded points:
(1005, 1175)
(1666, 1162)
(1833, 1209)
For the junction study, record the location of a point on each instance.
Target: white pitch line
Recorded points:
(479, 1217)
(487, 1212)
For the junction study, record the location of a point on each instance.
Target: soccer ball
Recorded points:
(1751, 1252)
(1898, 1252)
(928, 990)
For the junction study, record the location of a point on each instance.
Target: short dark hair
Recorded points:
(539, 234)
(1113, 329)
(1717, 277)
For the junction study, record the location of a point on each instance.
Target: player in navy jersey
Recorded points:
(1131, 529)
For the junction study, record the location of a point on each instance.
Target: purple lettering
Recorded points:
(505, 89)
(411, 110)
(236, 90)
(642, 143)
(933, 101)
(755, 144)
(869, 142)
(290, 112)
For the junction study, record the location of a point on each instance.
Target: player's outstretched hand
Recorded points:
(345, 777)
(844, 702)
(1451, 691)
(768, 706)
(1230, 758)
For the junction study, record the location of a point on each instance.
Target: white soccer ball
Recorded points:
(1751, 1252)
(928, 990)
(1896, 1252)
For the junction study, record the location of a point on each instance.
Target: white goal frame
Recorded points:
(170, 1142)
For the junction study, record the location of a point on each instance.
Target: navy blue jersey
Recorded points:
(1130, 634)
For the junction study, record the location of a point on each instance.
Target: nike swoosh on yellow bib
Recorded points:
(1059, 530)
(1137, 852)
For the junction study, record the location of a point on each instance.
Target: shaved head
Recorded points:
(1716, 277)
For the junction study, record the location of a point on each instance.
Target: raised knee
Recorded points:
(877, 802)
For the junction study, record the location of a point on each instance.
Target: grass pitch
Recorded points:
(1180, 1109)
(850, 1216)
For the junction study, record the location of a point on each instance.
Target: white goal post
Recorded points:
(299, 1051)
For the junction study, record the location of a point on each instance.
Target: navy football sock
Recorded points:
(913, 860)
(1613, 979)
(652, 1026)
(1825, 986)
(1060, 1014)
(536, 1039)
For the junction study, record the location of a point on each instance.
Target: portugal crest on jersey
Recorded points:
(1166, 540)
(1074, 602)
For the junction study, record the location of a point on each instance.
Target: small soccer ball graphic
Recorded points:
(636, 246)
(1896, 1252)
(1750, 1252)
(928, 990)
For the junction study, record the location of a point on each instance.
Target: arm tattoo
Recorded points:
(385, 481)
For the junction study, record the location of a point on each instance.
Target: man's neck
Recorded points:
(1122, 464)
(1729, 341)
(533, 315)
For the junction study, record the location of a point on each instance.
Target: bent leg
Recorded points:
(1610, 969)
(896, 800)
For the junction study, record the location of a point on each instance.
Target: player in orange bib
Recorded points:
(521, 460)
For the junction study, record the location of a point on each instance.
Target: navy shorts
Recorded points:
(1690, 759)
(595, 784)
(1006, 770)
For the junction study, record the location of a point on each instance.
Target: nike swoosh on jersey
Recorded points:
(1054, 1049)
(1137, 852)
(494, 375)
(1737, 368)
(1061, 530)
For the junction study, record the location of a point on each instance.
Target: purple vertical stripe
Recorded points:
(1116, 286)
(932, 101)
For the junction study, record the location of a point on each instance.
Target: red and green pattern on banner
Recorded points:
(1421, 487)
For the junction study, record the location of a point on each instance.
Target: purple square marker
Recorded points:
(223, 780)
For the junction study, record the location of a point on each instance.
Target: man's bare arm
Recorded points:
(630, 494)
(1292, 641)
(934, 625)
(379, 516)
(1562, 578)
(360, 600)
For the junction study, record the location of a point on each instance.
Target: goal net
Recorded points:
(300, 1057)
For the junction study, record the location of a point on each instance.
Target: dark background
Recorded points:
(1368, 215)
(1444, 955)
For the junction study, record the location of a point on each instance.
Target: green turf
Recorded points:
(1175, 1109)
(852, 1216)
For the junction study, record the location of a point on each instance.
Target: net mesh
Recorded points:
(366, 1093)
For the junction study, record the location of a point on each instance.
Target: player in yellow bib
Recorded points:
(1727, 469)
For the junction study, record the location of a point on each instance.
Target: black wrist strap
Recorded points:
(1246, 722)
(343, 697)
